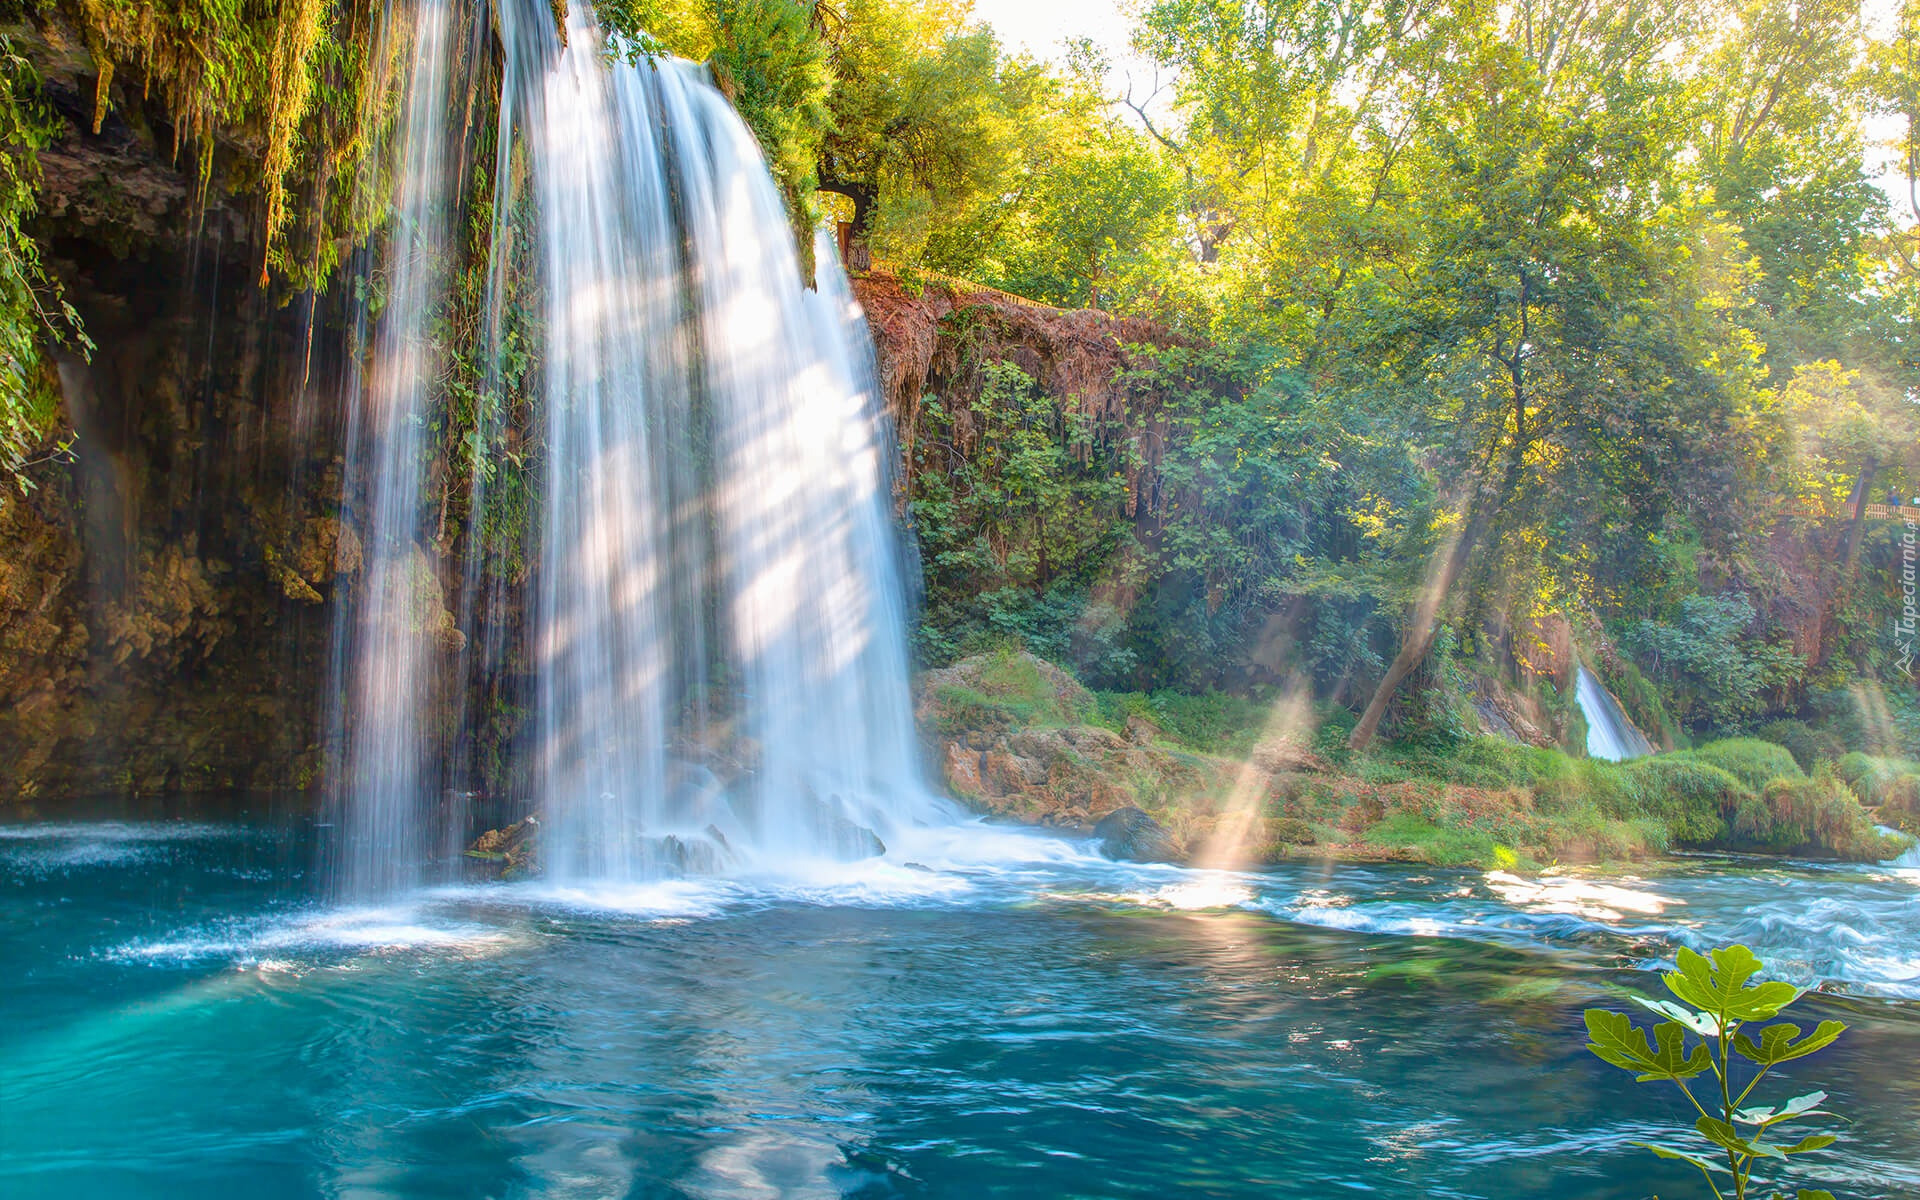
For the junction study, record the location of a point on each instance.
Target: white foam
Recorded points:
(54, 847)
(359, 930)
(118, 831)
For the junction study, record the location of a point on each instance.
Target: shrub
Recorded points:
(1691, 798)
(1809, 746)
(1817, 815)
(1750, 760)
(1892, 783)
(1212, 723)
(1481, 762)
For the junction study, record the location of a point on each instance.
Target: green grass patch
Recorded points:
(1422, 839)
(1211, 723)
(1482, 762)
(1752, 761)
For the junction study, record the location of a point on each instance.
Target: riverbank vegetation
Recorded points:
(1021, 738)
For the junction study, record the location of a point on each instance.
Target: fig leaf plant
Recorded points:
(1704, 1038)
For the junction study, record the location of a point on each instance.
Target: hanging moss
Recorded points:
(285, 84)
(32, 312)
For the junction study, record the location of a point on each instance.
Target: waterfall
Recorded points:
(715, 613)
(1609, 734)
(389, 623)
(719, 624)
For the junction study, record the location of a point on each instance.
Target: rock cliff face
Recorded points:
(933, 342)
(161, 624)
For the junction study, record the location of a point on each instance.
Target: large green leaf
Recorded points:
(1724, 1135)
(1615, 1039)
(1776, 1044)
(1720, 986)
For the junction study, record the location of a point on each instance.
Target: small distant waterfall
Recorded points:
(719, 625)
(386, 625)
(1609, 734)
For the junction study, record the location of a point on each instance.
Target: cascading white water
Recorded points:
(1609, 734)
(383, 670)
(722, 670)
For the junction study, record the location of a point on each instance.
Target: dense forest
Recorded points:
(1478, 317)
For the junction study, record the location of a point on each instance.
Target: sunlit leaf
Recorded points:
(1616, 1040)
(1720, 986)
(1704, 1164)
(1701, 1023)
(1724, 1135)
(1776, 1044)
(1813, 1141)
(1799, 1106)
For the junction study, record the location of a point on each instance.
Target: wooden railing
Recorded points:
(1844, 512)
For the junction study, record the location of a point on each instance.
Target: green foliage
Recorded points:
(1720, 674)
(1891, 784)
(1753, 762)
(1018, 509)
(1809, 746)
(1818, 815)
(32, 311)
(1704, 1034)
(1441, 846)
(1010, 690)
(1211, 723)
(768, 56)
(294, 83)
(1640, 699)
(1691, 799)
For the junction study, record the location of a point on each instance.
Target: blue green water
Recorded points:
(1007, 1017)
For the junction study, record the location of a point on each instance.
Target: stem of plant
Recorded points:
(1726, 1100)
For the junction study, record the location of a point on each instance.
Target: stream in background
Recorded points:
(983, 1012)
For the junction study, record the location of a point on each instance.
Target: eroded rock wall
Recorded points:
(162, 586)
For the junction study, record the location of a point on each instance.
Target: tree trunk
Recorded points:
(1857, 526)
(865, 198)
(1419, 636)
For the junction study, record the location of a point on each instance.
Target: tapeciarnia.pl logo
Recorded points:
(1903, 628)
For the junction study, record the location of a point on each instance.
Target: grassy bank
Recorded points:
(1022, 739)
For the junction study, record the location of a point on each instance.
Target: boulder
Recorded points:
(1130, 835)
(509, 853)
